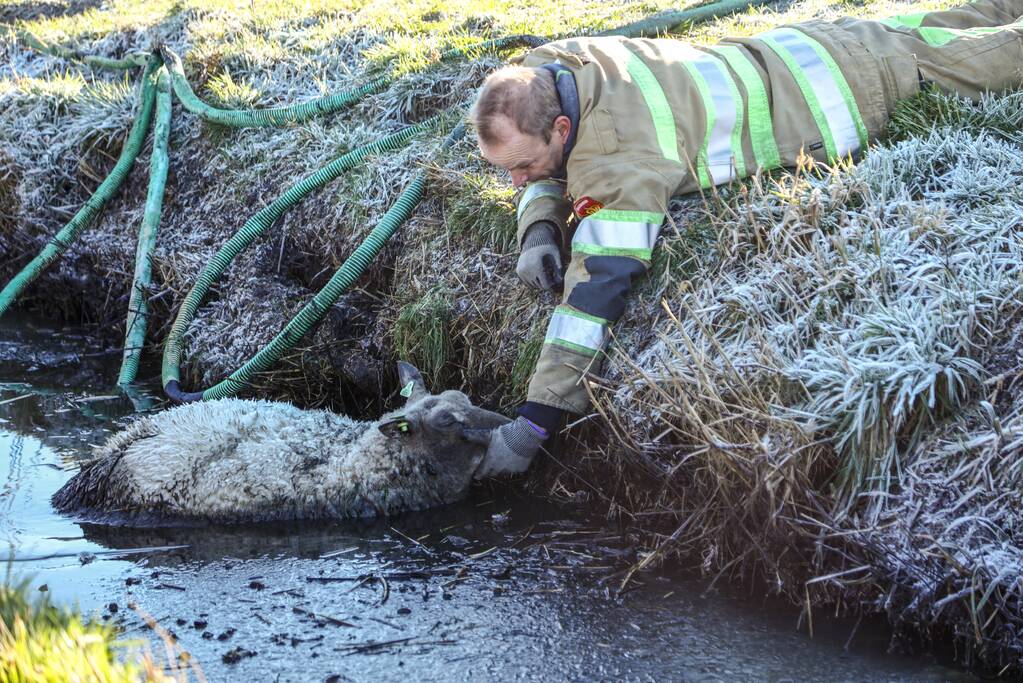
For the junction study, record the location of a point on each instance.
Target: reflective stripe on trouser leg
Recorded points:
(720, 159)
(824, 88)
(937, 36)
(661, 116)
(596, 286)
(577, 331)
(758, 108)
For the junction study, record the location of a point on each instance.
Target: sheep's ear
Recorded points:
(397, 426)
(412, 385)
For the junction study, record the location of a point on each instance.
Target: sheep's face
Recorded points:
(447, 427)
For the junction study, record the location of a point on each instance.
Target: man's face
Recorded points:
(526, 157)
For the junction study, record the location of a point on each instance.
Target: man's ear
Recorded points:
(563, 128)
(396, 426)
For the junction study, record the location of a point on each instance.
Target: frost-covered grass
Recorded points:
(836, 391)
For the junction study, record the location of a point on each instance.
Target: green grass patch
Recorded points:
(421, 334)
(227, 93)
(685, 249)
(42, 642)
(482, 210)
(525, 362)
(930, 109)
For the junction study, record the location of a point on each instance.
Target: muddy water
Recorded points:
(497, 588)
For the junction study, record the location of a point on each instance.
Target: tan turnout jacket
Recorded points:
(660, 118)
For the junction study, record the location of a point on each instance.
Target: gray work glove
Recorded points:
(512, 447)
(540, 262)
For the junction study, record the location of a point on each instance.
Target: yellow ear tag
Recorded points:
(406, 390)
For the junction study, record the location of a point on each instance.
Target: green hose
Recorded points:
(256, 226)
(663, 23)
(138, 305)
(67, 235)
(349, 271)
(133, 60)
(313, 312)
(282, 116)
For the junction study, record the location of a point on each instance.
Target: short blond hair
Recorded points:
(526, 95)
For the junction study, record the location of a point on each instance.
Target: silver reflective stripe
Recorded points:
(541, 188)
(583, 334)
(720, 156)
(822, 81)
(615, 237)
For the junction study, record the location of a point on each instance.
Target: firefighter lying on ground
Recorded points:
(611, 128)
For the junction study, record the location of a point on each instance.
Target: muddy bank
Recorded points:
(836, 352)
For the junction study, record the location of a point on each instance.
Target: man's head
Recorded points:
(519, 123)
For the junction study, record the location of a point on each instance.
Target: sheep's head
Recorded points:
(445, 427)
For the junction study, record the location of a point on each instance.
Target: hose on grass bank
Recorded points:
(260, 223)
(663, 23)
(283, 116)
(138, 304)
(130, 61)
(173, 77)
(67, 235)
(314, 311)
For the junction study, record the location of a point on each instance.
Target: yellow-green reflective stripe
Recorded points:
(576, 331)
(905, 20)
(822, 93)
(575, 313)
(808, 93)
(710, 110)
(626, 216)
(844, 89)
(612, 237)
(597, 250)
(761, 128)
(720, 157)
(540, 188)
(657, 103)
(936, 37)
(724, 148)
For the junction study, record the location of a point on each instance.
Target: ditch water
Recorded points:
(500, 587)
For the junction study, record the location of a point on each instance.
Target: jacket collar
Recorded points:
(568, 95)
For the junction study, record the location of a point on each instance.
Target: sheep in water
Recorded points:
(237, 460)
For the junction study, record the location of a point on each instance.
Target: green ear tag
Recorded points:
(403, 426)
(406, 390)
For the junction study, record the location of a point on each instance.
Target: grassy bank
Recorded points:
(815, 386)
(831, 405)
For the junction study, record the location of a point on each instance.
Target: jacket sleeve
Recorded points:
(542, 200)
(611, 248)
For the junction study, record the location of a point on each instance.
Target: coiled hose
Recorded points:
(67, 235)
(256, 226)
(138, 304)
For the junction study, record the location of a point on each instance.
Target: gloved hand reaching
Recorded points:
(512, 447)
(540, 262)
